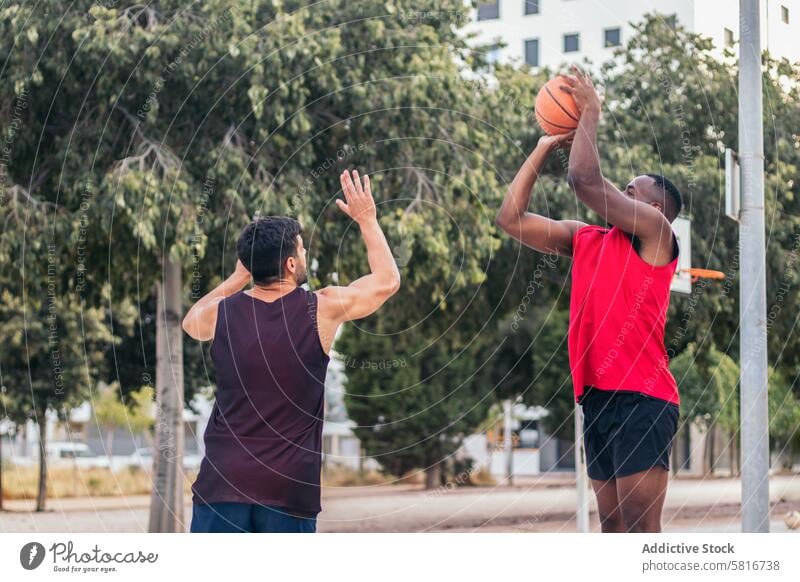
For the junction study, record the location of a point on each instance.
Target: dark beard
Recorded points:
(301, 277)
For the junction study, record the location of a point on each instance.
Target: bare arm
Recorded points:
(538, 232)
(201, 319)
(364, 295)
(590, 186)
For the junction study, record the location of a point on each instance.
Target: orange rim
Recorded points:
(704, 274)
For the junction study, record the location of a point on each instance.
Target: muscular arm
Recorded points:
(201, 319)
(366, 294)
(538, 232)
(590, 186)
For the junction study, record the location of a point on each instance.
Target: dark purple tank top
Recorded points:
(263, 441)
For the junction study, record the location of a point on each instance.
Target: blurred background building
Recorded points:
(549, 33)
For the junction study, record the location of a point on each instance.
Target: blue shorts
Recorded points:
(228, 517)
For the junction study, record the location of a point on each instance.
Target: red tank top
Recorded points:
(618, 310)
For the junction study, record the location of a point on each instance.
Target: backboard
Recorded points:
(682, 282)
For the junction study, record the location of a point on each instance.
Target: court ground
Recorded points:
(535, 505)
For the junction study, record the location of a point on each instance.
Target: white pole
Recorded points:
(581, 478)
(753, 294)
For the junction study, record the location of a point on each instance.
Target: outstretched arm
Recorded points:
(364, 295)
(538, 232)
(201, 319)
(586, 178)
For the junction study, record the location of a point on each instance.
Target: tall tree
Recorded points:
(97, 167)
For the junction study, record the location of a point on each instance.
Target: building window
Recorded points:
(489, 10)
(572, 43)
(531, 6)
(532, 52)
(728, 37)
(612, 37)
(785, 14)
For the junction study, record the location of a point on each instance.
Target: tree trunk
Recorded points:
(110, 448)
(41, 496)
(433, 476)
(166, 502)
(508, 446)
(708, 453)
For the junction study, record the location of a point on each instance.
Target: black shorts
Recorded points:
(626, 432)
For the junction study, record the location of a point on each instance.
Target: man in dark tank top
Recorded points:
(270, 345)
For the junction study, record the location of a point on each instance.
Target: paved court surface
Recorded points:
(537, 505)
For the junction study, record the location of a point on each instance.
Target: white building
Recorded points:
(527, 444)
(549, 33)
(340, 446)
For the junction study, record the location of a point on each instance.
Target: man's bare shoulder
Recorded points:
(331, 293)
(331, 299)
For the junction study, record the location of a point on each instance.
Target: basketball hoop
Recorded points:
(697, 274)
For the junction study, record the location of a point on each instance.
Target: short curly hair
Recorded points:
(674, 198)
(265, 244)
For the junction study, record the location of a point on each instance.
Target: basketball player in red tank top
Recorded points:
(618, 302)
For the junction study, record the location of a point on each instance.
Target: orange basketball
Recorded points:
(556, 111)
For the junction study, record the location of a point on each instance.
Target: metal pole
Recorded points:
(581, 477)
(753, 291)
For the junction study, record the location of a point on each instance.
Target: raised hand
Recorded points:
(240, 273)
(551, 142)
(582, 90)
(237, 280)
(358, 204)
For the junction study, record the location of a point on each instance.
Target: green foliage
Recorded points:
(670, 108)
(140, 409)
(784, 413)
(697, 400)
(139, 132)
(724, 375)
(109, 411)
